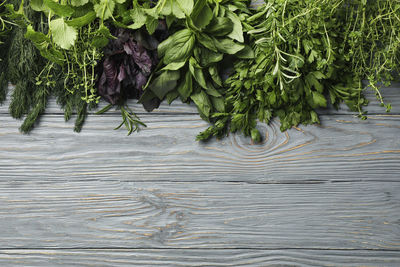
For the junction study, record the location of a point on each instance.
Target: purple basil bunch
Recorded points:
(128, 62)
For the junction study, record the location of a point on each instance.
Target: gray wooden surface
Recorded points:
(196, 257)
(325, 195)
(321, 195)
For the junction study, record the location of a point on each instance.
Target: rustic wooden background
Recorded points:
(324, 195)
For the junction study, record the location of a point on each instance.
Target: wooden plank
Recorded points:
(391, 95)
(114, 214)
(343, 149)
(198, 257)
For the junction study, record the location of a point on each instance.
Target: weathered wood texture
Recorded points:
(343, 149)
(198, 257)
(314, 196)
(114, 214)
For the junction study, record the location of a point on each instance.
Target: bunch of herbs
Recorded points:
(203, 35)
(307, 54)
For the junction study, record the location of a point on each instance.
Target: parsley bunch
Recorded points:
(306, 54)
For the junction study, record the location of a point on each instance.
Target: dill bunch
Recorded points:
(36, 76)
(23, 65)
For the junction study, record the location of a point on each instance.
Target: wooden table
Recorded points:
(318, 195)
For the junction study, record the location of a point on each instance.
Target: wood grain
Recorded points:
(114, 214)
(198, 257)
(343, 149)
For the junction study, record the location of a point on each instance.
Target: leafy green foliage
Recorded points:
(238, 65)
(306, 53)
(6, 26)
(49, 56)
(204, 35)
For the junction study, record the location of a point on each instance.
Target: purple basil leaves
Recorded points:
(128, 62)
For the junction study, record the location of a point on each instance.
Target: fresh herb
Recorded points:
(129, 60)
(24, 63)
(6, 26)
(203, 34)
(309, 53)
(236, 64)
(128, 63)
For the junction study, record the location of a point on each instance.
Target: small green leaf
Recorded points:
(319, 75)
(202, 14)
(170, 20)
(58, 9)
(197, 73)
(99, 41)
(164, 83)
(63, 35)
(218, 103)
(246, 53)
(82, 21)
(219, 27)
(167, 8)
(311, 80)
(206, 57)
(210, 90)
(237, 31)
(79, 2)
(36, 37)
(207, 42)
(104, 9)
(314, 117)
(271, 98)
(139, 18)
(214, 75)
(183, 42)
(318, 100)
(186, 6)
(105, 32)
(185, 88)
(177, 11)
(38, 5)
(228, 46)
(151, 24)
(171, 96)
(255, 135)
(202, 102)
(164, 46)
(174, 66)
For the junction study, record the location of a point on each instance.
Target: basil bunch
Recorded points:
(204, 34)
